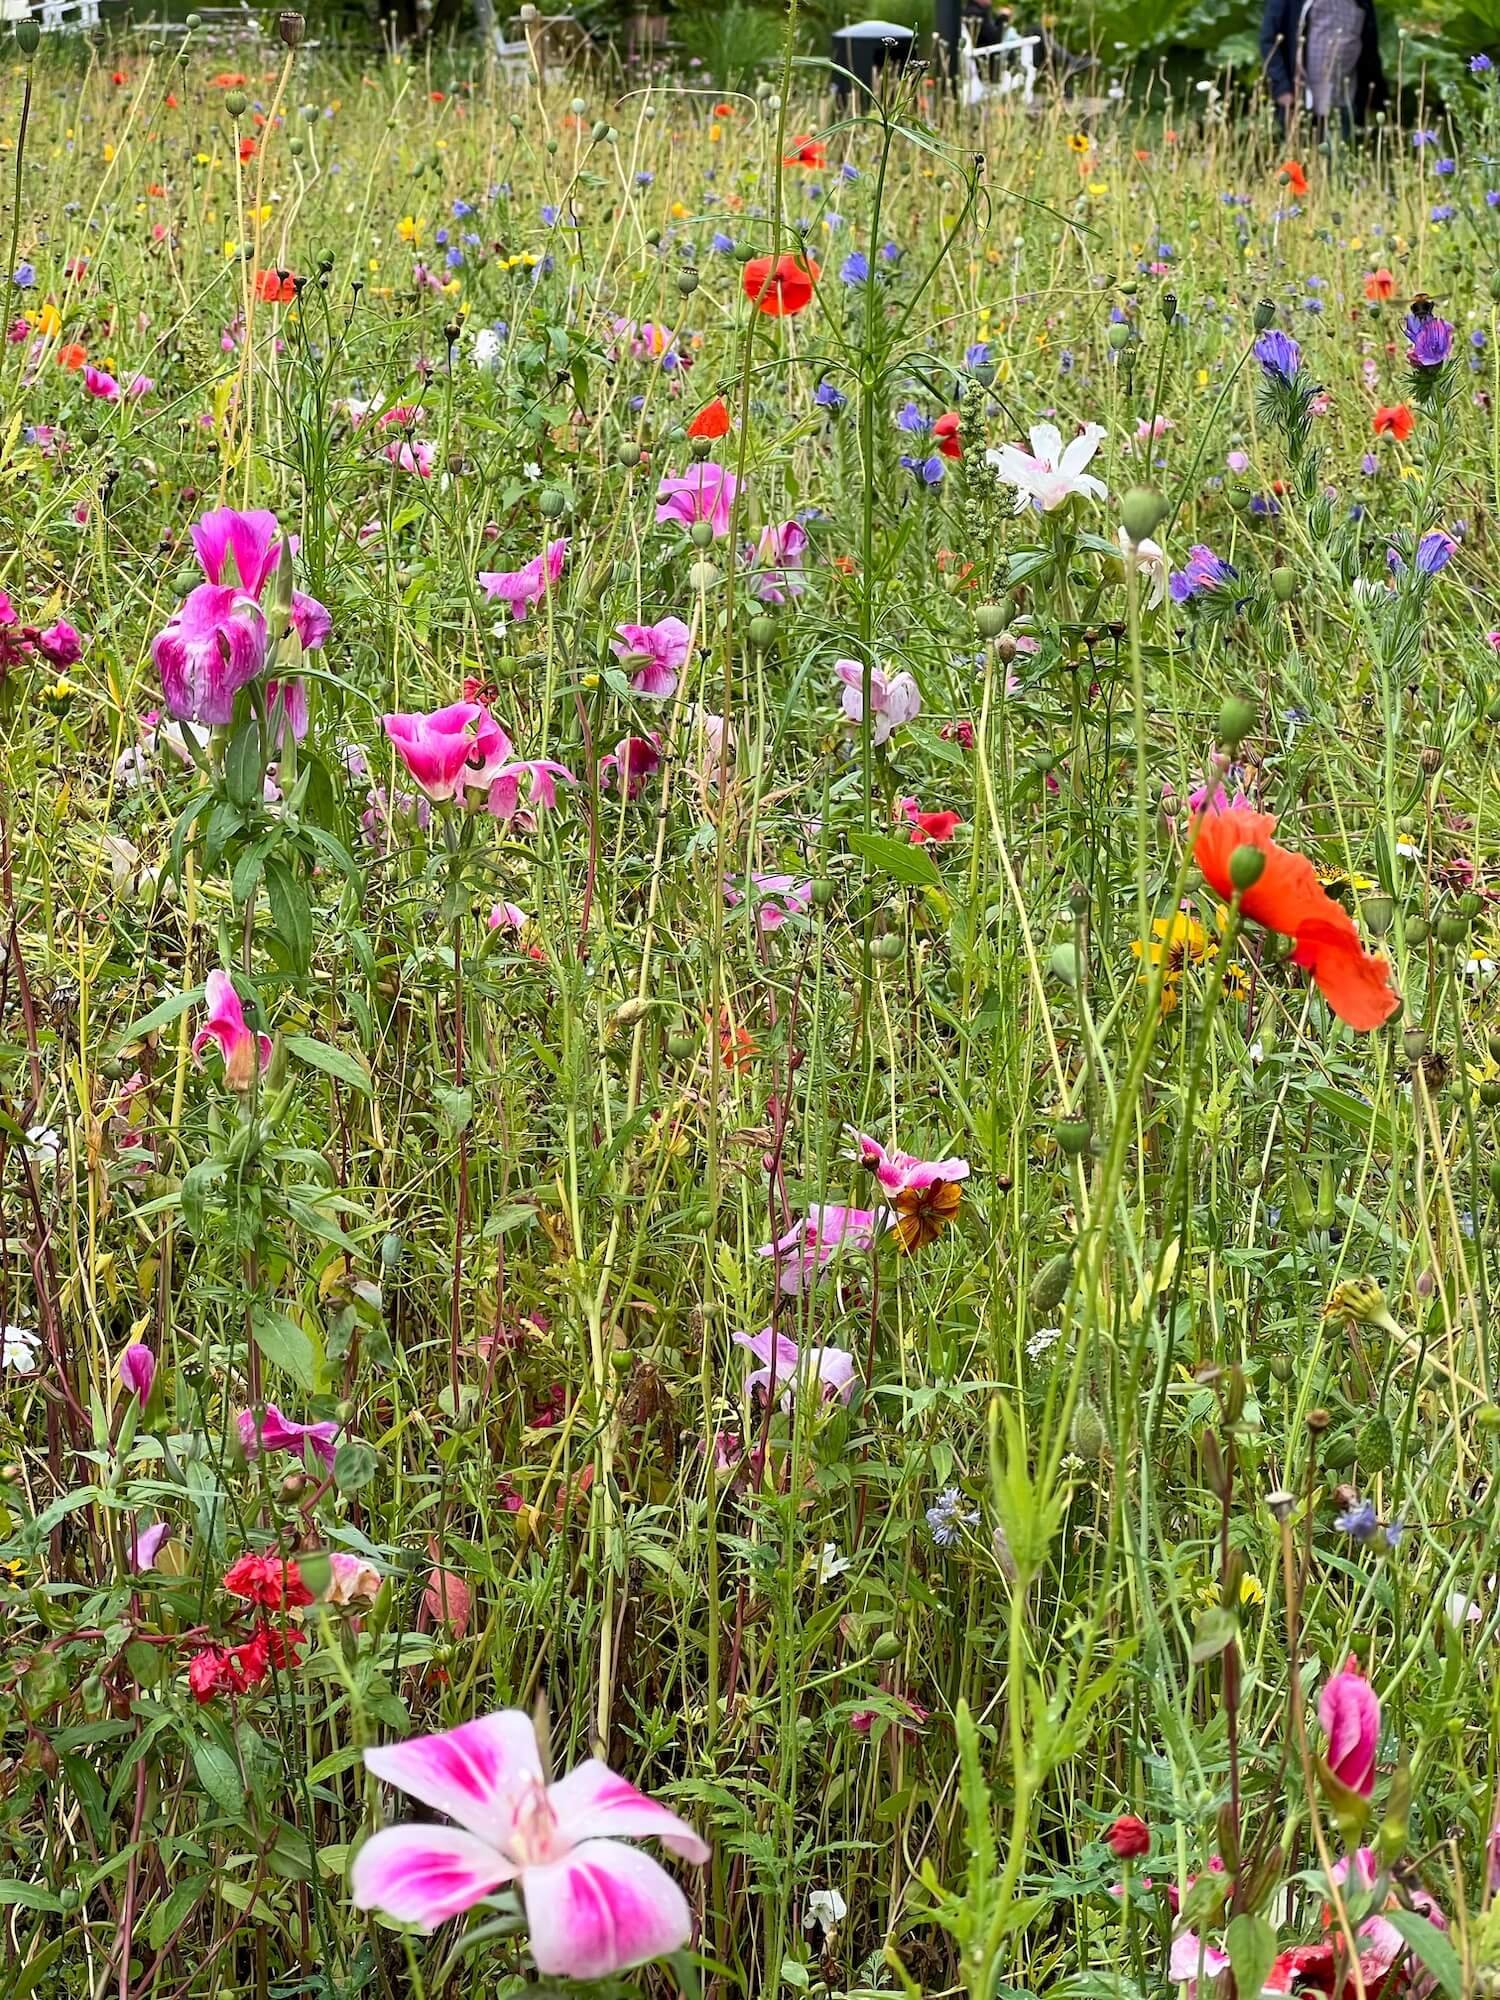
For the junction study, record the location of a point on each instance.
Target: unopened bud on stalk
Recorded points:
(1379, 913)
(1246, 866)
(1263, 315)
(1119, 335)
(1283, 584)
(989, 620)
(28, 37)
(236, 103)
(1142, 511)
(1236, 720)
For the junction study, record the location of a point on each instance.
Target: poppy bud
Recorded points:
(1141, 512)
(1119, 335)
(1236, 720)
(193, 22)
(1050, 1285)
(762, 631)
(1089, 1438)
(1169, 307)
(291, 27)
(989, 620)
(628, 454)
(1431, 759)
(886, 1647)
(1246, 866)
(1263, 315)
(701, 534)
(1283, 584)
(1129, 1838)
(236, 103)
(1281, 1367)
(1452, 930)
(703, 576)
(1378, 913)
(1414, 930)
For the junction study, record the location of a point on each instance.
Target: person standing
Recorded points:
(1325, 56)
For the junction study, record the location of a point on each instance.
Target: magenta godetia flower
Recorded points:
(632, 763)
(653, 655)
(523, 589)
(894, 698)
(806, 1250)
(777, 558)
(450, 749)
(1349, 1711)
(822, 1372)
(897, 1172)
(784, 896)
(138, 1369)
(274, 1432)
(225, 1024)
(705, 492)
(594, 1907)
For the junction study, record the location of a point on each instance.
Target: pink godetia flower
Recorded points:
(822, 1372)
(145, 1543)
(806, 1250)
(351, 1580)
(214, 644)
(416, 455)
(225, 1024)
(594, 1907)
(777, 558)
(1051, 473)
(782, 896)
(273, 1432)
(1381, 1945)
(653, 655)
(1149, 429)
(705, 492)
(450, 749)
(541, 777)
(98, 382)
(1350, 1714)
(894, 698)
(524, 589)
(241, 546)
(138, 1370)
(897, 1172)
(60, 644)
(1193, 1961)
(632, 763)
(508, 917)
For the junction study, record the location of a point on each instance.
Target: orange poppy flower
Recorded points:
(228, 79)
(247, 149)
(1290, 900)
(277, 288)
(1292, 174)
(1394, 420)
(780, 287)
(806, 152)
(923, 1213)
(712, 421)
(723, 111)
(1380, 284)
(72, 357)
(945, 435)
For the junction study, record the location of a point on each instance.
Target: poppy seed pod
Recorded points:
(989, 620)
(1236, 720)
(1283, 584)
(291, 26)
(1142, 512)
(28, 37)
(236, 103)
(1263, 315)
(1119, 335)
(1246, 866)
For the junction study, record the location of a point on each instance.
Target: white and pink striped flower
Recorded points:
(594, 1907)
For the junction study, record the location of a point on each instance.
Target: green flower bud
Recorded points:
(887, 1646)
(1089, 1438)
(1142, 511)
(1264, 313)
(703, 576)
(1246, 866)
(552, 504)
(1119, 335)
(822, 893)
(628, 454)
(236, 103)
(28, 37)
(1283, 584)
(762, 631)
(687, 283)
(1072, 1135)
(701, 534)
(1237, 718)
(1375, 1447)
(1379, 913)
(989, 620)
(1050, 1285)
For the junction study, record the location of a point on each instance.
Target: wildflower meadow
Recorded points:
(749, 1055)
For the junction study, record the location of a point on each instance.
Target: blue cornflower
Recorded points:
(722, 243)
(947, 1517)
(1480, 65)
(23, 277)
(827, 397)
(440, 237)
(549, 214)
(1420, 139)
(1442, 211)
(977, 354)
(1359, 1521)
(891, 252)
(1445, 166)
(644, 179)
(1278, 353)
(855, 269)
(848, 173)
(461, 209)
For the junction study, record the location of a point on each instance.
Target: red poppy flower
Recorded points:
(1296, 180)
(936, 827)
(945, 435)
(780, 287)
(277, 288)
(72, 357)
(1290, 900)
(247, 149)
(806, 152)
(1380, 285)
(723, 111)
(1395, 420)
(712, 421)
(228, 79)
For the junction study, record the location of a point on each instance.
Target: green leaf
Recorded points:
(1432, 1947)
(898, 859)
(354, 1466)
(291, 912)
(1252, 1952)
(244, 766)
(334, 1062)
(160, 1015)
(286, 1346)
(1213, 1631)
(29, 1896)
(219, 1776)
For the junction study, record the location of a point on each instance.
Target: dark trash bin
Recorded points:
(865, 46)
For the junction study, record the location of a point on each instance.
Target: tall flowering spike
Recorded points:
(1289, 899)
(225, 1024)
(594, 1907)
(1350, 1714)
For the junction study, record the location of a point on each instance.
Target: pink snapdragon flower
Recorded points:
(1349, 1711)
(450, 749)
(806, 1250)
(214, 644)
(225, 1024)
(594, 1907)
(524, 589)
(828, 1370)
(897, 1172)
(654, 655)
(60, 644)
(274, 1432)
(894, 698)
(705, 492)
(777, 559)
